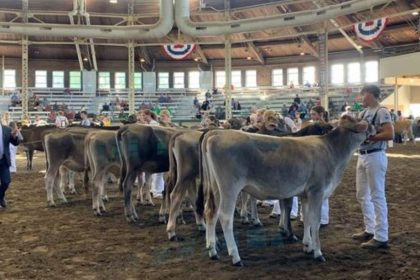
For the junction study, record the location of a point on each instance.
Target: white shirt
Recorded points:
(290, 123)
(61, 121)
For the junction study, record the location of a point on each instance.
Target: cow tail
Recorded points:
(123, 168)
(87, 165)
(173, 169)
(199, 203)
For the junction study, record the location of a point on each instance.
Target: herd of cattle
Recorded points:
(211, 168)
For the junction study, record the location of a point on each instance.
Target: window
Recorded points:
(220, 79)
(179, 81)
(194, 79)
(40, 78)
(251, 78)
(293, 76)
(163, 80)
(277, 77)
(309, 75)
(337, 74)
(371, 71)
(236, 79)
(9, 78)
(75, 79)
(138, 80)
(353, 73)
(119, 82)
(58, 79)
(104, 80)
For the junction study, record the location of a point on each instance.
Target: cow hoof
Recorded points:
(292, 238)
(97, 213)
(51, 204)
(320, 259)
(176, 238)
(259, 224)
(238, 264)
(105, 199)
(245, 221)
(215, 257)
(162, 219)
(73, 192)
(201, 228)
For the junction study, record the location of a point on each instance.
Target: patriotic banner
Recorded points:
(178, 51)
(370, 30)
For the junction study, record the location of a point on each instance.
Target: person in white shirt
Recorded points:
(85, 121)
(39, 122)
(158, 184)
(61, 121)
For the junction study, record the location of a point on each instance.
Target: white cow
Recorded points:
(274, 168)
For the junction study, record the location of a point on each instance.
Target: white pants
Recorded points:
(158, 183)
(295, 207)
(325, 212)
(13, 150)
(370, 187)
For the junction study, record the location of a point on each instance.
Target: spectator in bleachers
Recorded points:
(291, 84)
(196, 102)
(292, 109)
(165, 118)
(55, 106)
(45, 103)
(303, 111)
(344, 106)
(61, 121)
(297, 99)
(214, 91)
(161, 98)
(307, 84)
(284, 110)
(206, 105)
(52, 116)
(26, 121)
(105, 121)
(235, 104)
(39, 122)
(168, 98)
(105, 107)
(85, 120)
(208, 94)
(309, 104)
(14, 99)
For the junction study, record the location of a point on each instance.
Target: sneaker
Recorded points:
(274, 215)
(374, 244)
(3, 203)
(293, 217)
(323, 225)
(157, 195)
(362, 236)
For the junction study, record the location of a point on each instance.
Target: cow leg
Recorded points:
(255, 220)
(176, 197)
(312, 220)
(96, 181)
(140, 184)
(285, 225)
(71, 187)
(192, 195)
(63, 178)
(129, 209)
(212, 214)
(307, 239)
(244, 208)
(227, 209)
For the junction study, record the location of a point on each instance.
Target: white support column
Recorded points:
(228, 76)
(131, 69)
(323, 67)
(396, 95)
(25, 61)
(2, 75)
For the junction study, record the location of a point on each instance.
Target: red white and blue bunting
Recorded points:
(370, 30)
(178, 51)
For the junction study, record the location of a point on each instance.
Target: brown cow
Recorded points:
(404, 127)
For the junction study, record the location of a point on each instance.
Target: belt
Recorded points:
(365, 152)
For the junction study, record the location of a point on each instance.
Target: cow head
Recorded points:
(359, 127)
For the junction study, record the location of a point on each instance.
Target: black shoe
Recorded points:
(323, 225)
(362, 236)
(3, 203)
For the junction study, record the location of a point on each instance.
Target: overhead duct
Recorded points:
(200, 29)
(157, 30)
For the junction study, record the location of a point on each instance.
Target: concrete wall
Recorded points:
(401, 65)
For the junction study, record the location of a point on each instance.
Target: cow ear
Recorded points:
(362, 126)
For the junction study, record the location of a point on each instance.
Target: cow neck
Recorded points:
(343, 142)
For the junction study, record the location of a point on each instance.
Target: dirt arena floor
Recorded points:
(69, 242)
